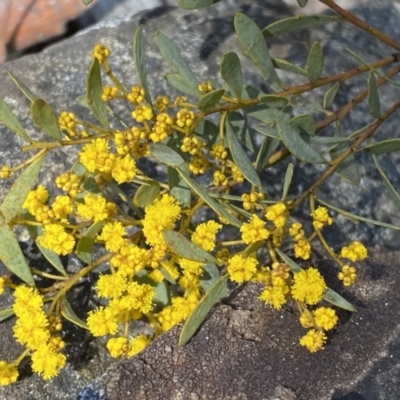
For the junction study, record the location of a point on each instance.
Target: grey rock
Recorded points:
(58, 76)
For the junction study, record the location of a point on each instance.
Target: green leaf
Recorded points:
(12, 257)
(330, 95)
(241, 130)
(240, 157)
(296, 23)
(22, 87)
(209, 277)
(173, 57)
(8, 118)
(194, 4)
(348, 170)
(214, 205)
(305, 123)
(268, 147)
(272, 101)
(384, 146)
(202, 309)
(87, 2)
(178, 187)
(69, 314)
(178, 82)
(315, 62)
(16, 196)
(294, 267)
(268, 131)
(325, 140)
(231, 72)
(255, 47)
(146, 194)
(337, 300)
(302, 3)
(392, 191)
(296, 145)
(185, 248)
(52, 258)
(374, 103)
(165, 154)
(209, 100)
(4, 314)
(287, 66)
(161, 295)
(45, 119)
(287, 181)
(93, 95)
(140, 62)
(84, 248)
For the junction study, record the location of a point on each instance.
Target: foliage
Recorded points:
(168, 254)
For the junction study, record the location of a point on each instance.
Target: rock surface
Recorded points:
(357, 360)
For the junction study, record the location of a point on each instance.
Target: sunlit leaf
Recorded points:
(297, 22)
(180, 83)
(287, 66)
(178, 187)
(337, 300)
(287, 181)
(209, 277)
(87, 2)
(330, 95)
(147, 194)
(69, 314)
(84, 248)
(255, 47)
(45, 119)
(52, 258)
(4, 314)
(268, 147)
(296, 145)
(8, 118)
(231, 72)
(12, 257)
(305, 123)
(185, 248)
(374, 103)
(315, 62)
(202, 309)
(21, 85)
(211, 99)
(240, 157)
(93, 95)
(16, 196)
(165, 154)
(140, 61)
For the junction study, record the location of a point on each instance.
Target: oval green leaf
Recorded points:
(287, 181)
(8, 118)
(69, 314)
(255, 47)
(330, 94)
(165, 154)
(4, 314)
(209, 100)
(185, 248)
(201, 192)
(52, 258)
(302, 3)
(240, 157)
(93, 94)
(305, 123)
(16, 196)
(194, 4)
(384, 146)
(22, 87)
(296, 23)
(287, 66)
(44, 118)
(12, 257)
(84, 248)
(231, 72)
(140, 62)
(337, 300)
(180, 83)
(146, 194)
(268, 147)
(315, 62)
(203, 308)
(374, 103)
(178, 187)
(296, 145)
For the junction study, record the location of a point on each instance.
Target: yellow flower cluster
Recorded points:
(278, 214)
(241, 269)
(309, 286)
(354, 252)
(348, 275)
(321, 218)
(254, 230)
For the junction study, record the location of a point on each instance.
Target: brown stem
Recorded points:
(350, 17)
(338, 160)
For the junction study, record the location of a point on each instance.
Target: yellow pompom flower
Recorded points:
(254, 230)
(241, 269)
(138, 344)
(348, 275)
(8, 373)
(62, 206)
(136, 96)
(102, 321)
(27, 301)
(278, 214)
(296, 231)
(56, 239)
(142, 113)
(117, 347)
(314, 340)
(95, 208)
(112, 235)
(325, 318)
(36, 199)
(354, 252)
(96, 156)
(302, 249)
(275, 295)
(306, 320)
(46, 362)
(204, 235)
(321, 218)
(139, 297)
(308, 286)
(100, 53)
(111, 286)
(124, 169)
